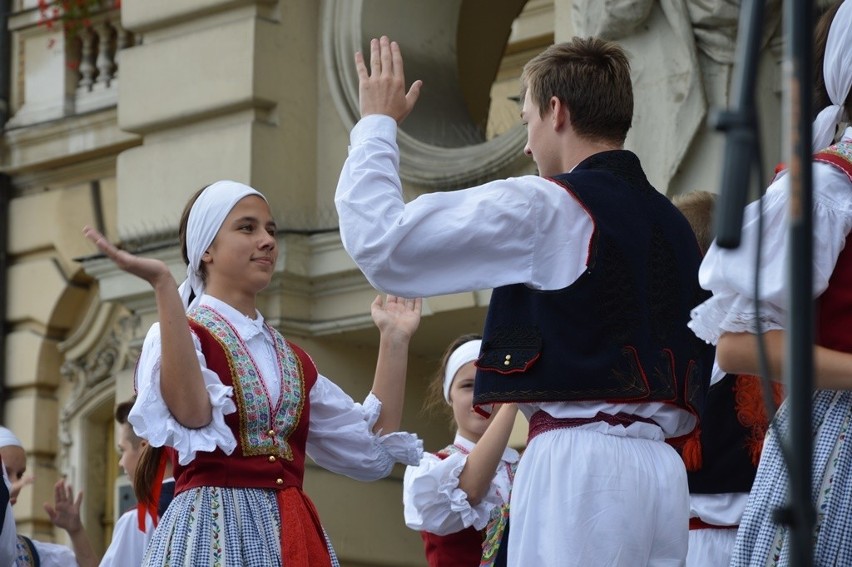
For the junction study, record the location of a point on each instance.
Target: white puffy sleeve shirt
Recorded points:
(127, 547)
(340, 436)
(524, 230)
(8, 531)
(729, 274)
(54, 554)
(433, 502)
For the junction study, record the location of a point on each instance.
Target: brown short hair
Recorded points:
(591, 76)
(697, 207)
(122, 410)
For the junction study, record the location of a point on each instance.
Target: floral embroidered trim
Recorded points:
(257, 416)
(751, 413)
(838, 155)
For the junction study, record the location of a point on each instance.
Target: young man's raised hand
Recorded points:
(381, 88)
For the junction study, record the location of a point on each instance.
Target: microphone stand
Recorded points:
(798, 371)
(742, 157)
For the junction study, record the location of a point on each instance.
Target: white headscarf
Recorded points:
(205, 219)
(837, 72)
(9, 439)
(467, 352)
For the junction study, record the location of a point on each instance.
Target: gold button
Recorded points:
(279, 481)
(271, 432)
(271, 458)
(506, 363)
(508, 357)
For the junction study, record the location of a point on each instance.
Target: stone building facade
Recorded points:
(117, 125)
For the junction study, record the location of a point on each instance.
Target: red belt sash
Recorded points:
(541, 421)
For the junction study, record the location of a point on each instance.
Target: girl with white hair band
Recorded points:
(729, 319)
(239, 407)
(26, 552)
(458, 498)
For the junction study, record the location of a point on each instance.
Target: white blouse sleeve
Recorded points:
(433, 502)
(341, 438)
(128, 543)
(520, 230)
(54, 555)
(152, 420)
(729, 274)
(8, 531)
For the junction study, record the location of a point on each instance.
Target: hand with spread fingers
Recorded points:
(381, 88)
(150, 270)
(396, 315)
(65, 514)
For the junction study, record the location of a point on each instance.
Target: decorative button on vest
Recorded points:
(271, 458)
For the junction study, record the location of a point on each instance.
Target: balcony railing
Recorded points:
(57, 73)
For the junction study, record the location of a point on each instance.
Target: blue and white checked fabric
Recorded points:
(760, 541)
(220, 527)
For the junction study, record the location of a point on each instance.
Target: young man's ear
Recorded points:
(558, 113)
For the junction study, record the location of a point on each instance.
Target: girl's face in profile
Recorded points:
(470, 424)
(15, 462)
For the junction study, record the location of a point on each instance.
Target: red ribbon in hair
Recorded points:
(152, 506)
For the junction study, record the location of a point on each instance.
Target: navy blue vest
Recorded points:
(618, 333)
(730, 449)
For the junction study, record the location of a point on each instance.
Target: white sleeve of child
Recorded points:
(433, 502)
(341, 438)
(152, 420)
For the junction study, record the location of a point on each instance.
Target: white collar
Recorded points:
(246, 327)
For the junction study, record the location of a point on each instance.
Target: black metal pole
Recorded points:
(798, 370)
(739, 123)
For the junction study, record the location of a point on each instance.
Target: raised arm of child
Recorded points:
(65, 514)
(397, 319)
(478, 472)
(181, 382)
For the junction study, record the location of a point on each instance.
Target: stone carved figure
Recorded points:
(682, 55)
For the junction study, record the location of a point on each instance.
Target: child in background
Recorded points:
(458, 498)
(30, 552)
(134, 528)
(8, 534)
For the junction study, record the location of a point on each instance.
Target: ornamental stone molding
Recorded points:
(107, 342)
(442, 142)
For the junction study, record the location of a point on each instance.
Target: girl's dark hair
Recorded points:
(145, 477)
(821, 99)
(435, 402)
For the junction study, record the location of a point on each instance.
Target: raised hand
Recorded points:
(396, 316)
(17, 485)
(65, 512)
(381, 89)
(150, 270)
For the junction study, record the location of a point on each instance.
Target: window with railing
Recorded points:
(66, 58)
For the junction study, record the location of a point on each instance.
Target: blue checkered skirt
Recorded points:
(761, 541)
(220, 527)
